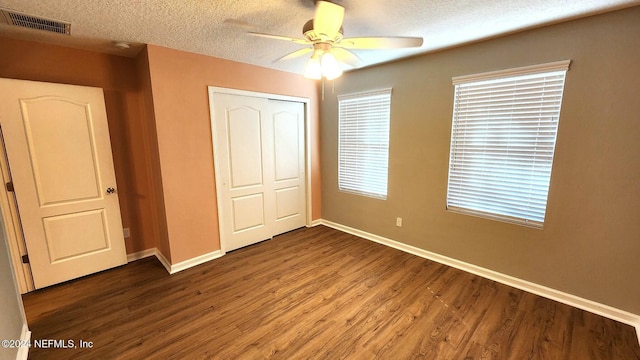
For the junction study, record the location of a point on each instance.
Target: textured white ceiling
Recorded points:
(218, 27)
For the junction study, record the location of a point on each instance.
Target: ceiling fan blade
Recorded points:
(328, 19)
(346, 57)
(278, 37)
(382, 42)
(295, 54)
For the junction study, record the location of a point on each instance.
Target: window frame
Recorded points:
(351, 175)
(529, 218)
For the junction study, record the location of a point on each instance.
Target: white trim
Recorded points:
(307, 149)
(315, 223)
(562, 65)
(163, 260)
(25, 337)
(141, 254)
(174, 268)
(13, 230)
(183, 265)
(216, 166)
(361, 94)
(553, 294)
(230, 91)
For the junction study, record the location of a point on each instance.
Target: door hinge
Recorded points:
(25, 259)
(9, 186)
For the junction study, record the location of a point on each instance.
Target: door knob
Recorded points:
(110, 190)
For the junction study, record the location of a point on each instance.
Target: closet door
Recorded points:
(259, 154)
(287, 127)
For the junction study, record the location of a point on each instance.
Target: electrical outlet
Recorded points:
(399, 222)
(126, 232)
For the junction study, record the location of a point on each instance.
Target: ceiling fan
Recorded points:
(328, 46)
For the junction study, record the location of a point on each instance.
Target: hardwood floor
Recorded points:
(314, 293)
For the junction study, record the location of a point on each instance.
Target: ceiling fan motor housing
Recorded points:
(311, 35)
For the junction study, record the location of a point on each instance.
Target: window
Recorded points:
(502, 142)
(363, 143)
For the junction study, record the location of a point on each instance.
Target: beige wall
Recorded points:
(179, 83)
(590, 244)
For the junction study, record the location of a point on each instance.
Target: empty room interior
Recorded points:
(309, 179)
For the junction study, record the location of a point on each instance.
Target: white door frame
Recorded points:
(307, 146)
(12, 227)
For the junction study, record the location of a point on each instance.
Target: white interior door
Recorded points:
(243, 191)
(260, 170)
(59, 151)
(287, 128)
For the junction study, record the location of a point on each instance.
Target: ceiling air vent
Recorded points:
(34, 22)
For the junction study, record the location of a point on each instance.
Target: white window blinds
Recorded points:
(363, 143)
(502, 142)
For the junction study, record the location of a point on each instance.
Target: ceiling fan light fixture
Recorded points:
(313, 69)
(326, 36)
(322, 64)
(330, 66)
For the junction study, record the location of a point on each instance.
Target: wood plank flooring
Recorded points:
(314, 293)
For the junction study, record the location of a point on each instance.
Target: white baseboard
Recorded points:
(150, 252)
(174, 268)
(553, 294)
(183, 265)
(315, 223)
(163, 260)
(25, 337)
(141, 254)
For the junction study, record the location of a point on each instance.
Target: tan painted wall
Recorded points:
(590, 244)
(157, 213)
(118, 77)
(159, 122)
(179, 83)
